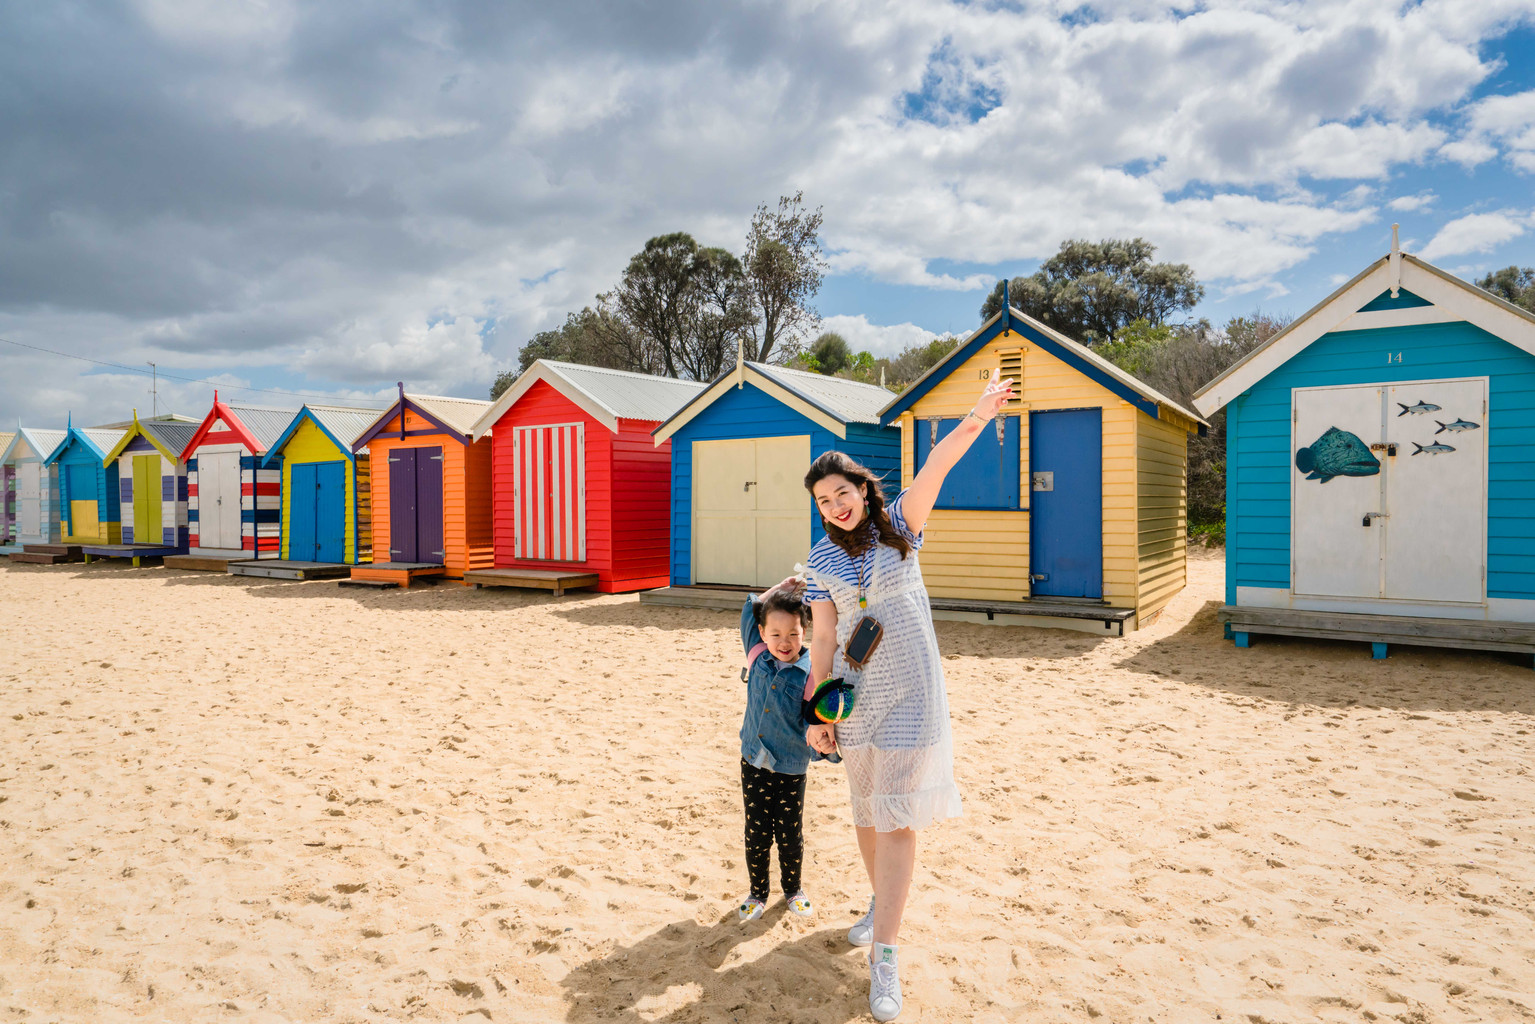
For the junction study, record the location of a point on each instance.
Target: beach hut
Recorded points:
(234, 510)
(34, 488)
(151, 489)
(740, 516)
(7, 496)
(90, 509)
(431, 491)
(1070, 509)
(1379, 467)
(579, 490)
(327, 507)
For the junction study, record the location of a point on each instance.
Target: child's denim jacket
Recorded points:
(773, 733)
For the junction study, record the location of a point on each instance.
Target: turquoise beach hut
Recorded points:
(89, 504)
(739, 512)
(1381, 468)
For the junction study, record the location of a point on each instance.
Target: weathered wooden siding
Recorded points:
(1162, 488)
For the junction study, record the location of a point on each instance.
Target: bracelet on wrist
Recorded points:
(978, 419)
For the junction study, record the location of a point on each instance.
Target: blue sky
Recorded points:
(289, 196)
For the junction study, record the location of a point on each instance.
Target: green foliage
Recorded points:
(784, 268)
(594, 337)
(1090, 291)
(1513, 284)
(832, 353)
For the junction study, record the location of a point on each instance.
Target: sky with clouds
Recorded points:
(323, 199)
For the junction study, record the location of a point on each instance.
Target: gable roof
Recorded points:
(606, 395)
(831, 402)
(1364, 303)
(6, 439)
(257, 426)
(342, 424)
(41, 441)
(169, 437)
(455, 416)
(98, 442)
(1074, 354)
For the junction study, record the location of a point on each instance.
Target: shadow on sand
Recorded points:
(670, 975)
(1338, 673)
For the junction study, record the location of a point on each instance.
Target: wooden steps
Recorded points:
(137, 552)
(34, 558)
(283, 569)
(401, 574)
(369, 584)
(202, 563)
(1380, 631)
(534, 579)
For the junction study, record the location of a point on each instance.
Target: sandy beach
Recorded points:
(228, 799)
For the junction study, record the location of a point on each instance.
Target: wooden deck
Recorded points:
(401, 574)
(282, 569)
(47, 554)
(202, 563)
(137, 552)
(1082, 616)
(535, 579)
(1379, 631)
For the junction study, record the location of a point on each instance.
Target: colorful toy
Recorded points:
(831, 703)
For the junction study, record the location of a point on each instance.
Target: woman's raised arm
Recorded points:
(922, 495)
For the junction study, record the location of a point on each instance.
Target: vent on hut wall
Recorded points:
(1012, 369)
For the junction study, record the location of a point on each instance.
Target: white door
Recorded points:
(751, 519)
(218, 500)
(1389, 488)
(29, 499)
(1436, 536)
(1336, 483)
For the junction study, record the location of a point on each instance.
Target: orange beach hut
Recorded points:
(431, 491)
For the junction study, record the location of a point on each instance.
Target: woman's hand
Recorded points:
(992, 399)
(822, 738)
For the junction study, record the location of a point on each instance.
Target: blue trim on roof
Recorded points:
(303, 414)
(70, 436)
(999, 326)
(1404, 300)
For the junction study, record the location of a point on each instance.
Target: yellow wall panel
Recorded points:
(310, 444)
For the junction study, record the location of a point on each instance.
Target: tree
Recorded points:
(831, 353)
(915, 360)
(656, 295)
(594, 337)
(722, 314)
(1513, 284)
(1090, 291)
(784, 268)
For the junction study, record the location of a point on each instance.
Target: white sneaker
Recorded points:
(862, 932)
(884, 991)
(750, 909)
(800, 905)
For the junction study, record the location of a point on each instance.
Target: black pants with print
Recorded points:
(775, 810)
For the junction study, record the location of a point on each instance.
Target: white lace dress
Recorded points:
(896, 744)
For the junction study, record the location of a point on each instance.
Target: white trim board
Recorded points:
(1453, 300)
(742, 375)
(541, 371)
(1494, 609)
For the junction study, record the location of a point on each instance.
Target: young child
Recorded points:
(774, 754)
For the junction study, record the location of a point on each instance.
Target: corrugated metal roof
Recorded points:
(42, 442)
(6, 439)
(174, 436)
(347, 424)
(848, 400)
(104, 440)
(458, 413)
(265, 423)
(632, 396)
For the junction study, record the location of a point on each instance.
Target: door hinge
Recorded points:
(1038, 577)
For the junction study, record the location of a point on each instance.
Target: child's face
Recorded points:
(784, 634)
(839, 500)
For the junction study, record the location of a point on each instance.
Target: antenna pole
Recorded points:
(154, 390)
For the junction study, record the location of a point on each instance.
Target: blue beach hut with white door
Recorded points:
(1381, 467)
(740, 515)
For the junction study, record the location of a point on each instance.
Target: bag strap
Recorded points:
(751, 659)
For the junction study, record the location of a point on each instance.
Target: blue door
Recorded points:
(330, 512)
(1066, 503)
(317, 512)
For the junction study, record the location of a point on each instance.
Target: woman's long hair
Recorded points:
(856, 541)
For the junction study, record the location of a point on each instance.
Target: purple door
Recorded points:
(415, 505)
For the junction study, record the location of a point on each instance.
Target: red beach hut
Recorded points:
(581, 493)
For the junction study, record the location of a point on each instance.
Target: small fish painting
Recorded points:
(1437, 448)
(1419, 409)
(1336, 453)
(1457, 427)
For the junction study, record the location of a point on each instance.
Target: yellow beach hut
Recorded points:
(327, 507)
(1072, 510)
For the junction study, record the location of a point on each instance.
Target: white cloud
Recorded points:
(1408, 204)
(1494, 125)
(876, 339)
(1477, 232)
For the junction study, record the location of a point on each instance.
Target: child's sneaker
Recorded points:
(862, 932)
(751, 909)
(884, 989)
(799, 904)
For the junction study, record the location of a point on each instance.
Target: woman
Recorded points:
(896, 743)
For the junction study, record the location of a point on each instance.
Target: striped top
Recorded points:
(829, 559)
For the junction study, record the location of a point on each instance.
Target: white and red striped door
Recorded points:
(549, 492)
